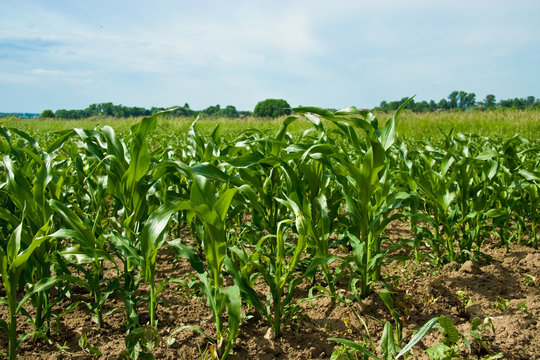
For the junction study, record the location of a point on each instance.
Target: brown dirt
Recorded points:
(421, 291)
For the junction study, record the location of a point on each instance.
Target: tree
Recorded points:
(453, 100)
(462, 96)
(211, 110)
(107, 109)
(272, 108)
(470, 100)
(443, 104)
(229, 112)
(47, 114)
(490, 101)
(518, 103)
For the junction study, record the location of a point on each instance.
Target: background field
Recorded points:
(501, 123)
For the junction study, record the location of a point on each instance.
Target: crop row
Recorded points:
(91, 198)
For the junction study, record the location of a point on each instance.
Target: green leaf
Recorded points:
(23, 257)
(14, 243)
(418, 336)
(451, 335)
(389, 348)
(152, 232)
(249, 294)
(187, 252)
(281, 132)
(41, 285)
(234, 307)
(212, 172)
(355, 346)
(529, 175)
(246, 160)
(487, 155)
(439, 352)
(314, 110)
(224, 202)
(388, 134)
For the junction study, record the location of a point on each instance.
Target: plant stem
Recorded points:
(12, 303)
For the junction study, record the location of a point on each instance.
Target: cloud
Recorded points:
(48, 72)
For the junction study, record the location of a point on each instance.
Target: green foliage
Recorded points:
(389, 344)
(272, 108)
(47, 114)
(228, 112)
(264, 206)
(460, 100)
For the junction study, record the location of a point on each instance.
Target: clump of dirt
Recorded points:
(501, 292)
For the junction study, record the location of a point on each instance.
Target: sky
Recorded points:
(69, 54)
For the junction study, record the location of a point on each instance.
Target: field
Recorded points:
(322, 235)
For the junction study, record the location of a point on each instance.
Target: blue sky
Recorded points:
(69, 54)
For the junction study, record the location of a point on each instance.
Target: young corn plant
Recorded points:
(211, 207)
(129, 180)
(28, 172)
(20, 246)
(360, 169)
(323, 204)
(87, 249)
(389, 349)
(276, 260)
(439, 189)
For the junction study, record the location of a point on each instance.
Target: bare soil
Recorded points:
(497, 290)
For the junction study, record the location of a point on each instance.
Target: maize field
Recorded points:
(344, 242)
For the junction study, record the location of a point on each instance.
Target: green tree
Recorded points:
(518, 103)
(47, 114)
(211, 110)
(470, 100)
(107, 109)
(462, 98)
(490, 101)
(229, 112)
(453, 99)
(443, 104)
(272, 108)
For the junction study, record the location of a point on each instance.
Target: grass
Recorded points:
(496, 124)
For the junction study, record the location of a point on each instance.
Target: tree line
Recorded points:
(265, 108)
(460, 100)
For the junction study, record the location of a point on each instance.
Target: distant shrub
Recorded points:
(47, 114)
(272, 108)
(229, 112)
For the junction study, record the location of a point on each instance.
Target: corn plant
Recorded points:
(20, 246)
(389, 349)
(322, 204)
(360, 170)
(128, 179)
(211, 227)
(29, 173)
(88, 249)
(276, 260)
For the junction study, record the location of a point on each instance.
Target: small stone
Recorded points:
(470, 267)
(270, 334)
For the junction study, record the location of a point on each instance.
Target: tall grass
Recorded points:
(497, 124)
(500, 123)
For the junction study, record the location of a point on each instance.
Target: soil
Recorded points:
(499, 291)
